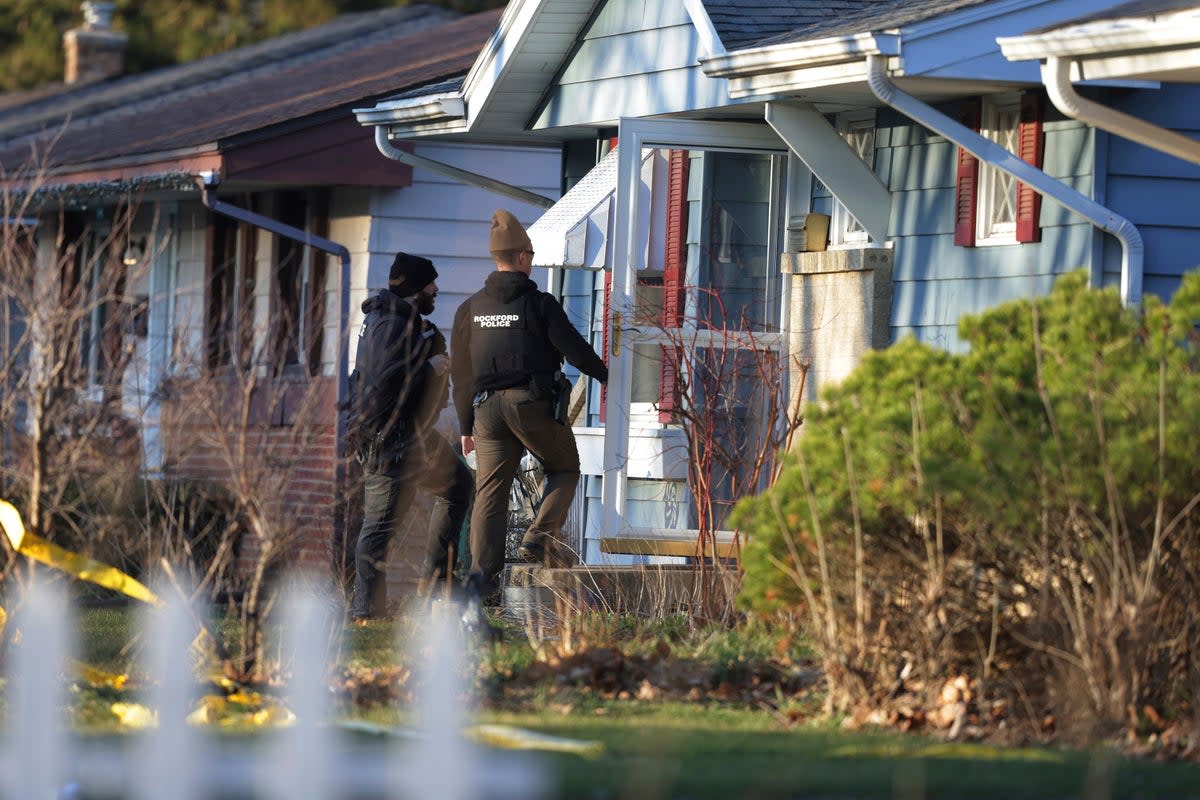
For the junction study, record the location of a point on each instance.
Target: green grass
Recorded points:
(677, 751)
(707, 750)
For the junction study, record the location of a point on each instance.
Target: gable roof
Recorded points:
(747, 51)
(157, 120)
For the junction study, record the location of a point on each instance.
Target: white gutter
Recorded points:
(472, 178)
(433, 108)
(1105, 37)
(800, 55)
(1056, 75)
(1132, 249)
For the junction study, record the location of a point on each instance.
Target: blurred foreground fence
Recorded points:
(43, 758)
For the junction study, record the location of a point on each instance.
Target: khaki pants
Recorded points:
(509, 422)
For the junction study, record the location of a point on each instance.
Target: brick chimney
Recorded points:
(95, 51)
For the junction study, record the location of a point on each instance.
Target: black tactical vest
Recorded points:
(509, 345)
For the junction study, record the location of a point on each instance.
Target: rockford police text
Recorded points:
(496, 320)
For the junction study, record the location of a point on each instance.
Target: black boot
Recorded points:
(474, 619)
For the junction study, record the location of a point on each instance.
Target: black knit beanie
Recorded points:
(410, 274)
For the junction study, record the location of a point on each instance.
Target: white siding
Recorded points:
(448, 221)
(350, 226)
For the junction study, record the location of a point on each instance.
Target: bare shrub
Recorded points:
(232, 501)
(728, 391)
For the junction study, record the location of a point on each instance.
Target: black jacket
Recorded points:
(507, 333)
(395, 394)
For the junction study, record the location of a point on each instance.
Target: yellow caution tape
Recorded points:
(134, 715)
(513, 738)
(506, 736)
(214, 709)
(82, 567)
(209, 709)
(245, 698)
(99, 679)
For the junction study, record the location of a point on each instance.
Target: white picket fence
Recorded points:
(43, 758)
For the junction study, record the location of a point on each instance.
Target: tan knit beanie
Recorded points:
(508, 233)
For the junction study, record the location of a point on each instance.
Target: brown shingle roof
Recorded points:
(322, 71)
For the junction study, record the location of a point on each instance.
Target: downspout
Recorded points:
(1056, 75)
(206, 182)
(471, 178)
(1132, 249)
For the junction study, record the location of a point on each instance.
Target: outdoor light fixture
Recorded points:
(134, 251)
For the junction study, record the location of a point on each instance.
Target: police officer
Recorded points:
(398, 389)
(508, 341)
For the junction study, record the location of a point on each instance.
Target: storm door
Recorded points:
(696, 335)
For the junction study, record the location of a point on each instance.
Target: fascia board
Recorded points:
(418, 129)
(781, 84)
(794, 56)
(710, 40)
(493, 59)
(1103, 38)
(1111, 69)
(968, 16)
(413, 110)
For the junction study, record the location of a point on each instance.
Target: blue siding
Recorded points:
(1157, 192)
(936, 282)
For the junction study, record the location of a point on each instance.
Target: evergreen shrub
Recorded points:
(1024, 513)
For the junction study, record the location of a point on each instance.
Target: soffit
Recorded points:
(506, 84)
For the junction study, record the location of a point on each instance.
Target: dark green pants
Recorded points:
(509, 422)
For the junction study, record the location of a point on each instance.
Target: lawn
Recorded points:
(701, 748)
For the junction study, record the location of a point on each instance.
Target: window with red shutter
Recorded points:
(991, 206)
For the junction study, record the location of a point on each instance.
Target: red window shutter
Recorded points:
(604, 334)
(675, 260)
(966, 183)
(1030, 147)
(674, 273)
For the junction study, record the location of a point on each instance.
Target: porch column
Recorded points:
(841, 304)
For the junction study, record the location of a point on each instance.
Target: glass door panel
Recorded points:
(696, 308)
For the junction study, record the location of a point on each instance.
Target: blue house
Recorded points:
(791, 184)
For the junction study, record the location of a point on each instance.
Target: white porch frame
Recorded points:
(633, 136)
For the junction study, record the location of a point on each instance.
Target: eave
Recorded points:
(800, 55)
(440, 109)
(1104, 38)
(1166, 48)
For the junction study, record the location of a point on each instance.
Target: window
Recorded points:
(715, 277)
(299, 275)
(991, 206)
(294, 282)
(858, 129)
(230, 292)
(93, 290)
(996, 215)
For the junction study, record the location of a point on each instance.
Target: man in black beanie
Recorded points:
(398, 389)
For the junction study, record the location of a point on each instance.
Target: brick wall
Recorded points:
(290, 461)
